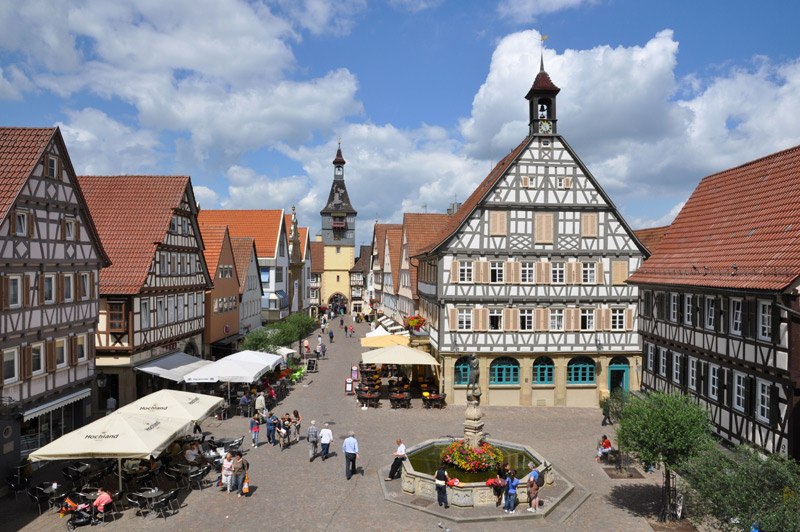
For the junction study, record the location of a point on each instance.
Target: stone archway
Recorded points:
(338, 301)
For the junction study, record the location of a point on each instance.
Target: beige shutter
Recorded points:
(573, 272)
(497, 223)
(544, 319)
(510, 319)
(543, 274)
(589, 225)
(452, 315)
(567, 182)
(524, 181)
(543, 228)
(480, 319)
(628, 319)
(572, 316)
(516, 272)
(454, 267)
(600, 273)
(619, 272)
(605, 321)
(508, 272)
(481, 268)
(514, 319)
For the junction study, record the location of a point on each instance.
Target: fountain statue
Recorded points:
(473, 417)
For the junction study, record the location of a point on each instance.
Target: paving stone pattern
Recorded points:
(289, 493)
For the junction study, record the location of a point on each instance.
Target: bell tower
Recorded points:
(542, 104)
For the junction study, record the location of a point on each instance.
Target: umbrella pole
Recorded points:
(119, 464)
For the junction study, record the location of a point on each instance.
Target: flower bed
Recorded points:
(459, 454)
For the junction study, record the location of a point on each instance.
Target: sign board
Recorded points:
(348, 387)
(354, 373)
(311, 365)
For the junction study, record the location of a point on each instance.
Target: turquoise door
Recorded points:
(618, 376)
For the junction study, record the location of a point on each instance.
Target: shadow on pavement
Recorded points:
(639, 499)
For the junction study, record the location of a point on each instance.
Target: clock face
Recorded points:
(545, 126)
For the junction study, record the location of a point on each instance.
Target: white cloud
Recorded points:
(414, 6)
(333, 17)
(99, 145)
(645, 222)
(250, 190)
(525, 11)
(205, 197)
(13, 82)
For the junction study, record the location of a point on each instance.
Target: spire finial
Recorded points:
(542, 38)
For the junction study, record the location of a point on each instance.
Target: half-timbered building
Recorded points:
(529, 274)
(272, 245)
(358, 279)
(419, 230)
(317, 250)
(390, 285)
(250, 292)
(50, 258)
(221, 333)
(375, 285)
(720, 314)
(152, 297)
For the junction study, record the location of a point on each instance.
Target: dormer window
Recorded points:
(21, 223)
(52, 167)
(69, 229)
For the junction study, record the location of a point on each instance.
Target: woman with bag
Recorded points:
(511, 491)
(441, 477)
(227, 472)
(499, 487)
(296, 420)
(240, 467)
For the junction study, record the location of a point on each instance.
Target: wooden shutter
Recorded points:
(91, 340)
(572, 317)
(452, 315)
(776, 324)
(62, 228)
(729, 386)
(603, 321)
(541, 319)
(72, 356)
(509, 324)
(573, 272)
(59, 288)
(480, 319)
(567, 182)
(454, 267)
(619, 272)
(77, 230)
(749, 318)
(78, 286)
(27, 362)
(589, 225)
(58, 168)
(723, 304)
(684, 370)
(749, 393)
(516, 272)
(498, 223)
(480, 271)
(92, 289)
(524, 181)
(543, 273)
(24, 296)
(40, 288)
(600, 273)
(31, 224)
(50, 356)
(543, 228)
(3, 294)
(12, 222)
(774, 406)
(629, 319)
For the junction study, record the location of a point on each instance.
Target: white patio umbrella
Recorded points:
(187, 406)
(269, 360)
(226, 370)
(399, 354)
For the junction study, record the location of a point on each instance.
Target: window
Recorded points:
(61, 352)
(617, 319)
(338, 250)
(465, 272)
(461, 371)
(37, 354)
(495, 319)
(713, 381)
(557, 319)
(543, 369)
(184, 225)
(687, 309)
(14, 291)
(163, 262)
(49, 289)
(173, 264)
(10, 364)
(504, 370)
(651, 355)
(52, 167)
(762, 400)
(190, 306)
(496, 271)
(21, 223)
(662, 361)
(557, 273)
(279, 275)
(173, 224)
(587, 319)
(693, 373)
(526, 319)
(589, 273)
(711, 305)
(86, 289)
(170, 309)
(676, 368)
(265, 274)
(116, 316)
(144, 310)
(527, 272)
(581, 370)
(69, 230)
(736, 317)
(464, 319)
(738, 391)
(68, 279)
(159, 312)
(673, 308)
(765, 320)
(180, 303)
(80, 346)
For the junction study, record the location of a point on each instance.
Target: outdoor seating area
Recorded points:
(389, 381)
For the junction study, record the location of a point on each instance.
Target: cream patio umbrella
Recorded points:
(399, 354)
(385, 340)
(187, 406)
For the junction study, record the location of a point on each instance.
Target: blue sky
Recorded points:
(249, 98)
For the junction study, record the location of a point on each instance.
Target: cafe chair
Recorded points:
(39, 498)
(198, 478)
(172, 498)
(160, 507)
(71, 476)
(18, 484)
(139, 503)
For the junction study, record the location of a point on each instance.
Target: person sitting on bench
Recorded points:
(604, 448)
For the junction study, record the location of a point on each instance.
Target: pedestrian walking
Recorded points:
(227, 472)
(533, 488)
(399, 457)
(261, 404)
(296, 420)
(240, 467)
(272, 421)
(255, 429)
(312, 437)
(323, 351)
(325, 439)
(341, 322)
(440, 478)
(330, 335)
(351, 454)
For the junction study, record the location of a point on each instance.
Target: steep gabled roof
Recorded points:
(243, 249)
(740, 229)
(458, 218)
(214, 240)
(651, 236)
(394, 239)
(317, 257)
(264, 226)
(302, 231)
(132, 214)
(379, 239)
(362, 263)
(420, 230)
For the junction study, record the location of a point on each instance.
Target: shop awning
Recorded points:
(286, 353)
(174, 404)
(173, 366)
(62, 400)
(399, 354)
(244, 366)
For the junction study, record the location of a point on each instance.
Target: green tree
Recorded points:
(666, 429)
(283, 333)
(259, 340)
(742, 487)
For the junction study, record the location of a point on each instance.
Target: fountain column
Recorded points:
(473, 417)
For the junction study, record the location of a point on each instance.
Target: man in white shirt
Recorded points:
(399, 456)
(325, 439)
(261, 405)
(111, 404)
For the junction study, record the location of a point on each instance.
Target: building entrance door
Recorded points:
(618, 374)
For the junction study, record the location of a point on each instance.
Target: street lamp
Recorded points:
(101, 379)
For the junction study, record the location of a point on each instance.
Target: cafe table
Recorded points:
(150, 495)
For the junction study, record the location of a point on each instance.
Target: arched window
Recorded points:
(462, 371)
(581, 370)
(504, 370)
(543, 370)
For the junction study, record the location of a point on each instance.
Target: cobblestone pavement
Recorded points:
(289, 493)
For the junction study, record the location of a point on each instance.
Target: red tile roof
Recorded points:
(362, 262)
(214, 239)
(263, 225)
(132, 214)
(739, 229)
(420, 230)
(317, 257)
(243, 248)
(651, 237)
(394, 236)
(455, 221)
